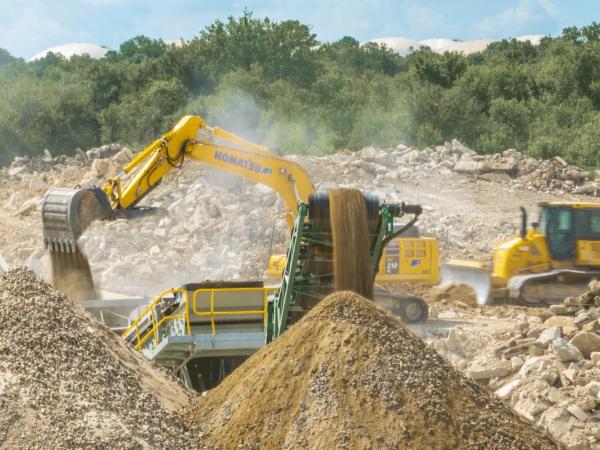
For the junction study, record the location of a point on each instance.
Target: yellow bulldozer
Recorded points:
(555, 259)
(67, 213)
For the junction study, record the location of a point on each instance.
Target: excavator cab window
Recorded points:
(557, 224)
(588, 224)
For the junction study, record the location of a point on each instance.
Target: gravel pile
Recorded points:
(349, 375)
(67, 382)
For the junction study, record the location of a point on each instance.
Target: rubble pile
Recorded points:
(349, 375)
(546, 367)
(220, 226)
(67, 381)
(28, 179)
(510, 168)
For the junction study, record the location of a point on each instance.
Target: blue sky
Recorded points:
(28, 27)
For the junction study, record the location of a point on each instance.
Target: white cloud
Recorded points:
(28, 31)
(515, 21)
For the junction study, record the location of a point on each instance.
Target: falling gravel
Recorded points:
(350, 375)
(351, 244)
(68, 382)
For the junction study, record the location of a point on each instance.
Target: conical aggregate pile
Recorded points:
(68, 382)
(349, 375)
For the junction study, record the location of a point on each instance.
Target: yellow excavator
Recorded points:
(555, 259)
(67, 213)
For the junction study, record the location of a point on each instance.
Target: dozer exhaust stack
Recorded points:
(67, 213)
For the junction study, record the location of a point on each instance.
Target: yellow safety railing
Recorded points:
(212, 312)
(156, 325)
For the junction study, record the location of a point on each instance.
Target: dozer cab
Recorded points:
(555, 259)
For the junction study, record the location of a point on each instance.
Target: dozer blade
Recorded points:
(67, 213)
(471, 273)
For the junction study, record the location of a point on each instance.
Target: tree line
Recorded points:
(273, 83)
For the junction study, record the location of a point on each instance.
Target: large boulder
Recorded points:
(547, 336)
(565, 351)
(558, 321)
(367, 154)
(466, 166)
(587, 343)
(384, 158)
(100, 167)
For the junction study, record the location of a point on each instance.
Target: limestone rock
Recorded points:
(80, 155)
(558, 321)
(587, 343)
(565, 351)
(505, 392)
(367, 154)
(591, 327)
(100, 167)
(547, 336)
(489, 372)
(570, 301)
(466, 166)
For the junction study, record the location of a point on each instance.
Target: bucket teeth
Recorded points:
(66, 214)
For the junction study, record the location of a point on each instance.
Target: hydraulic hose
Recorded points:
(408, 209)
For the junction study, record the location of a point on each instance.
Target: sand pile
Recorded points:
(67, 381)
(351, 242)
(452, 294)
(349, 375)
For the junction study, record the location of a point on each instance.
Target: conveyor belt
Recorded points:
(318, 219)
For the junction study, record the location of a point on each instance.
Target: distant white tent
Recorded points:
(402, 46)
(438, 45)
(533, 38)
(68, 50)
(469, 47)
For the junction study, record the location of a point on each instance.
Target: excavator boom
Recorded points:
(67, 213)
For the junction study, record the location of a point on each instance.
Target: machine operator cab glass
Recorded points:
(563, 225)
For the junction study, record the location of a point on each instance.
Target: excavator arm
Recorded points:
(67, 213)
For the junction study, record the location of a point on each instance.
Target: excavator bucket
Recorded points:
(471, 273)
(67, 213)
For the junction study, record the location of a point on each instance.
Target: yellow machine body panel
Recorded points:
(588, 253)
(410, 260)
(414, 260)
(519, 256)
(276, 266)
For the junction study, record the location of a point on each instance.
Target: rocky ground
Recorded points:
(221, 227)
